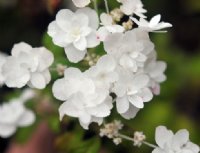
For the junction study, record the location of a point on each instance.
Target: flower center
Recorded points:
(76, 32)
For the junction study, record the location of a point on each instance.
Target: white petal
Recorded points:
(136, 101)
(102, 33)
(158, 150)
(81, 20)
(115, 29)
(60, 90)
(63, 19)
(7, 130)
(60, 37)
(140, 81)
(85, 31)
(20, 47)
(85, 124)
(72, 72)
(155, 20)
(120, 89)
(157, 68)
(68, 108)
(85, 120)
(38, 81)
(97, 120)
(81, 3)
(47, 76)
(122, 104)
(45, 58)
(131, 113)
(126, 62)
(81, 44)
(106, 19)
(14, 74)
(73, 54)
(180, 138)
(163, 136)
(146, 95)
(52, 28)
(93, 17)
(27, 118)
(111, 44)
(107, 63)
(193, 147)
(101, 110)
(92, 40)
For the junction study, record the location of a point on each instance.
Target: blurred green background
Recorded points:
(178, 105)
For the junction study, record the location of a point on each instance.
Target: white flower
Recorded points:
(104, 72)
(75, 32)
(108, 27)
(81, 3)
(132, 90)
(12, 116)
(153, 26)
(168, 142)
(155, 70)
(130, 7)
(74, 81)
(82, 98)
(130, 48)
(2, 61)
(27, 65)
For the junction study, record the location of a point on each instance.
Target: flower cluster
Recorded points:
(83, 97)
(127, 75)
(27, 65)
(13, 114)
(169, 142)
(129, 71)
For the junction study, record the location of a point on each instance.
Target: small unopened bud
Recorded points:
(92, 58)
(60, 69)
(128, 25)
(116, 14)
(117, 141)
(138, 139)
(111, 130)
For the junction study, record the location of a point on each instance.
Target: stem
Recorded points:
(95, 5)
(125, 137)
(106, 5)
(131, 139)
(149, 144)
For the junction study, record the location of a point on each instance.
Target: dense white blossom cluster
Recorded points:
(127, 76)
(129, 71)
(27, 66)
(14, 114)
(168, 142)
